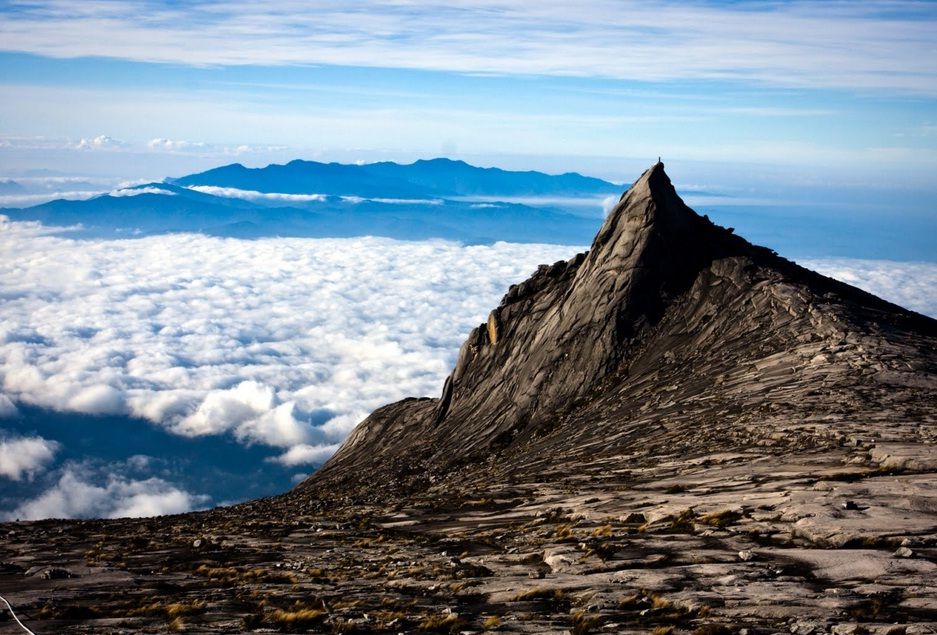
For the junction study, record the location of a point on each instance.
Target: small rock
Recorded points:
(903, 552)
(57, 573)
(805, 628)
(850, 505)
(196, 543)
(846, 629)
(746, 555)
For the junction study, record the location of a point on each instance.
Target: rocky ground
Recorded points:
(841, 540)
(751, 450)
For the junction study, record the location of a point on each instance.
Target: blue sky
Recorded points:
(780, 90)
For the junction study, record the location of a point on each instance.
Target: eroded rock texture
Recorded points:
(674, 432)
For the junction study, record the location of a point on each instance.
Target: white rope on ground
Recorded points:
(10, 608)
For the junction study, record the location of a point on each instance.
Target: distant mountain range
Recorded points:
(438, 198)
(424, 178)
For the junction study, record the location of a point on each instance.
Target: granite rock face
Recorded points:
(676, 432)
(663, 296)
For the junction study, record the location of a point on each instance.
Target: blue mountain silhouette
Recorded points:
(437, 198)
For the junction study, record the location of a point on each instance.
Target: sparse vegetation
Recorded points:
(171, 610)
(563, 531)
(584, 623)
(231, 575)
(445, 623)
(720, 519)
(712, 629)
(684, 521)
(492, 623)
(602, 532)
(553, 595)
(301, 618)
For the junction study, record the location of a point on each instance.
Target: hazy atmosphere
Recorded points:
(174, 336)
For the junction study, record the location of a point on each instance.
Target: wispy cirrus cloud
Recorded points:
(870, 45)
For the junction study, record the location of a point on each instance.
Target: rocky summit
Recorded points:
(674, 432)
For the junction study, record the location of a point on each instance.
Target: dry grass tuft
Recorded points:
(720, 519)
(584, 623)
(602, 532)
(300, 618)
(551, 595)
(563, 531)
(446, 623)
(492, 623)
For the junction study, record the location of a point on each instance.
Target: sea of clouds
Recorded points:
(283, 342)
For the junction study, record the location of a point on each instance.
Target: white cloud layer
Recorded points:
(174, 145)
(28, 200)
(912, 285)
(7, 407)
(876, 44)
(101, 142)
(305, 454)
(251, 195)
(75, 495)
(394, 201)
(137, 191)
(24, 457)
(283, 342)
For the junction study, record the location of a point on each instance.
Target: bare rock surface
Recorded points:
(674, 432)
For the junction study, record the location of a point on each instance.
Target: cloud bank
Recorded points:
(282, 342)
(101, 142)
(286, 343)
(878, 45)
(912, 285)
(137, 191)
(23, 457)
(78, 495)
(252, 195)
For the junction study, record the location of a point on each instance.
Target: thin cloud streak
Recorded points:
(813, 44)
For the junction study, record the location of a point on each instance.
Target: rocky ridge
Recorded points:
(674, 432)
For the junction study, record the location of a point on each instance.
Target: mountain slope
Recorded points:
(664, 302)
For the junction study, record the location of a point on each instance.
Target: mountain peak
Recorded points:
(651, 204)
(659, 280)
(558, 336)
